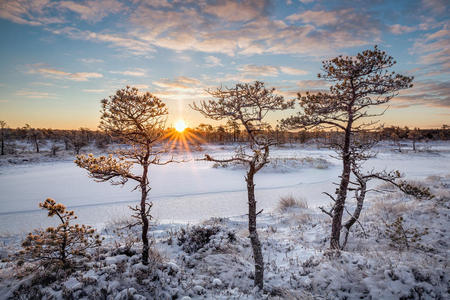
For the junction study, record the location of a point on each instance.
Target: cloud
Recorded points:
(135, 46)
(91, 60)
(93, 90)
(212, 61)
(245, 27)
(136, 72)
(35, 13)
(34, 94)
(293, 71)
(189, 28)
(436, 6)
(313, 84)
(140, 86)
(400, 29)
(428, 93)
(253, 70)
(235, 11)
(94, 10)
(59, 74)
(433, 50)
(42, 83)
(320, 17)
(177, 83)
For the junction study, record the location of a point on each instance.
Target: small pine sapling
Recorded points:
(402, 237)
(59, 246)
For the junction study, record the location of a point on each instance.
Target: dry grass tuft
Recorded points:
(290, 202)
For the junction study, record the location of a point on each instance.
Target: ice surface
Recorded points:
(186, 192)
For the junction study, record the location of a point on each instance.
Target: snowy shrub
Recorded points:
(125, 234)
(193, 239)
(402, 237)
(289, 202)
(59, 246)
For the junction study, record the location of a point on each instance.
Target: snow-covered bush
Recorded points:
(195, 238)
(59, 246)
(404, 238)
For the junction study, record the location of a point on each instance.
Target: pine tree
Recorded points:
(137, 120)
(59, 246)
(360, 82)
(247, 104)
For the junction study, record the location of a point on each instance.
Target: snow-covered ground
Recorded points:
(297, 263)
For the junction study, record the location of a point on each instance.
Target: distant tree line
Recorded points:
(76, 139)
(56, 139)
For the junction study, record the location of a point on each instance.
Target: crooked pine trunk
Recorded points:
(144, 219)
(336, 224)
(254, 239)
(357, 212)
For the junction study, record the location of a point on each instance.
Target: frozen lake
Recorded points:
(184, 192)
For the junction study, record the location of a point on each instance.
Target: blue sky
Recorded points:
(60, 58)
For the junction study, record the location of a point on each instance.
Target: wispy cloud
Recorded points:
(34, 94)
(253, 70)
(212, 61)
(293, 71)
(400, 29)
(94, 90)
(428, 93)
(35, 13)
(93, 10)
(434, 51)
(120, 41)
(234, 11)
(59, 74)
(136, 72)
(177, 83)
(91, 60)
(313, 84)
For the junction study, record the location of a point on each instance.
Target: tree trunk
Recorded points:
(342, 192)
(414, 145)
(144, 219)
(256, 244)
(3, 145)
(359, 205)
(36, 144)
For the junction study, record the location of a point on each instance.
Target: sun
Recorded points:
(180, 126)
